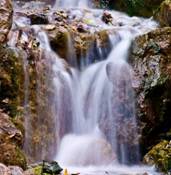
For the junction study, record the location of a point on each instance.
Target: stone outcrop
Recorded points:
(12, 81)
(151, 60)
(5, 18)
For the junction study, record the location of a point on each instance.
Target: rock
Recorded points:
(10, 141)
(15, 170)
(151, 62)
(11, 170)
(107, 18)
(8, 132)
(11, 154)
(51, 167)
(6, 12)
(164, 14)
(4, 170)
(160, 156)
(38, 19)
(12, 81)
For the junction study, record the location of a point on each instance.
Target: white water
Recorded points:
(71, 3)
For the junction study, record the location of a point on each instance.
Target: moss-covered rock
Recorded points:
(151, 61)
(164, 13)
(11, 81)
(160, 156)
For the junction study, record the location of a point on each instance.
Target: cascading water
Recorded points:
(98, 95)
(90, 99)
(71, 3)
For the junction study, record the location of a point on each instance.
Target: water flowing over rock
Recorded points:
(78, 103)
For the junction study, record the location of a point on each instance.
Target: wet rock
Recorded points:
(164, 14)
(151, 62)
(107, 18)
(5, 18)
(38, 19)
(81, 28)
(160, 156)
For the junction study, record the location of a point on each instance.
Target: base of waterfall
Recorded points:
(91, 154)
(112, 170)
(85, 150)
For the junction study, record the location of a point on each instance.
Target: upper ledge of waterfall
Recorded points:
(84, 29)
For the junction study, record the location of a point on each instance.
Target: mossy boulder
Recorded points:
(151, 62)
(160, 156)
(164, 13)
(6, 12)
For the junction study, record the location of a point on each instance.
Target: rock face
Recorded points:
(11, 81)
(11, 140)
(151, 61)
(5, 18)
(164, 14)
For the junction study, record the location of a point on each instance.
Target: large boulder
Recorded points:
(5, 18)
(151, 62)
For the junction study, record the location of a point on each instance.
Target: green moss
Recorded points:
(37, 170)
(11, 81)
(160, 156)
(145, 8)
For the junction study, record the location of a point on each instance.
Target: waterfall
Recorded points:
(81, 111)
(100, 94)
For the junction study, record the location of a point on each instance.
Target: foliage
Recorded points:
(133, 6)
